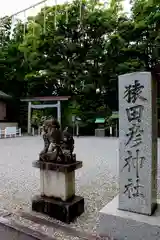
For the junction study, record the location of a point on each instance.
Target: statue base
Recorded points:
(65, 211)
(65, 158)
(55, 166)
(57, 191)
(120, 224)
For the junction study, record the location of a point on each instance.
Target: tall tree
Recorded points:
(79, 49)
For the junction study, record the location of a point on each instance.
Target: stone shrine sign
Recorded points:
(137, 143)
(134, 213)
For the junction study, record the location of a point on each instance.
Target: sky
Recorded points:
(9, 7)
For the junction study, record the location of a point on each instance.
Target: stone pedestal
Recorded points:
(125, 225)
(57, 191)
(137, 158)
(57, 184)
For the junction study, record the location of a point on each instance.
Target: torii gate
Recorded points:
(42, 106)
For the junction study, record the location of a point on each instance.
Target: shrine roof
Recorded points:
(4, 95)
(100, 120)
(45, 98)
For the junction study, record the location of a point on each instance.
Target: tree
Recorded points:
(12, 65)
(79, 50)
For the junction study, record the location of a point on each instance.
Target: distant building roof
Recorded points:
(4, 95)
(100, 120)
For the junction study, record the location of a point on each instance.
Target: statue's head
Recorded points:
(45, 125)
(55, 123)
(50, 124)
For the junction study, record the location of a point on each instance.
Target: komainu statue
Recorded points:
(58, 145)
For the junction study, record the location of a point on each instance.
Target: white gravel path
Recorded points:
(96, 181)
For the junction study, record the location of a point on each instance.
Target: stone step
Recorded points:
(58, 229)
(39, 219)
(11, 229)
(40, 227)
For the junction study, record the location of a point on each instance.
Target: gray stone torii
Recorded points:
(42, 106)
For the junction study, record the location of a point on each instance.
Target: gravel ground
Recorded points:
(96, 181)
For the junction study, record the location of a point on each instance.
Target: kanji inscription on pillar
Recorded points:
(137, 142)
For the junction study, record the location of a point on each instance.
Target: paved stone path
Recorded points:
(96, 181)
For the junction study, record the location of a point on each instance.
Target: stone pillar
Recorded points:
(59, 112)
(77, 129)
(137, 143)
(110, 131)
(29, 117)
(57, 191)
(127, 216)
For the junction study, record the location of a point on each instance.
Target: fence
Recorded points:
(9, 132)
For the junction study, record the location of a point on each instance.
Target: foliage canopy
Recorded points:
(79, 50)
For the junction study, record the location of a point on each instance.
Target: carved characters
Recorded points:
(133, 190)
(133, 92)
(134, 159)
